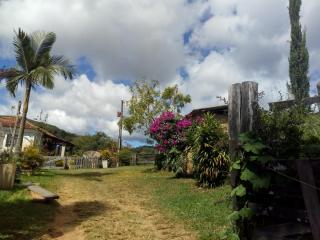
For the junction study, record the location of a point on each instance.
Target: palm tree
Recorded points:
(35, 67)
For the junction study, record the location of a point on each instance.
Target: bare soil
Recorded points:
(110, 205)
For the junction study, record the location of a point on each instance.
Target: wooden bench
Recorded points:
(41, 194)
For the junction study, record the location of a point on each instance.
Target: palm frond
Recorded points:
(12, 84)
(12, 77)
(43, 76)
(62, 66)
(42, 43)
(8, 73)
(24, 52)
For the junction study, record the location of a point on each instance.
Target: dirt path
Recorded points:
(110, 205)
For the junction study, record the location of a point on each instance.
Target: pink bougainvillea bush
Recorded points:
(169, 131)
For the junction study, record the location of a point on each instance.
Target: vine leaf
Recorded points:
(239, 191)
(246, 212)
(234, 216)
(236, 165)
(255, 147)
(256, 181)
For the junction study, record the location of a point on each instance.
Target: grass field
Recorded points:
(20, 218)
(123, 203)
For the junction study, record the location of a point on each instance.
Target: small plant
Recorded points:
(5, 157)
(31, 158)
(125, 156)
(210, 152)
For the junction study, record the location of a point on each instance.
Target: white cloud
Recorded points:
(244, 40)
(249, 41)
(123, 39)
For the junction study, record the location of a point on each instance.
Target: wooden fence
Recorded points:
(142, 159)
(72, 162)
(290, 207)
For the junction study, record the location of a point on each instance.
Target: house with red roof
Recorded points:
(34, 135)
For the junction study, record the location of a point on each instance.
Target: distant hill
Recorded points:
(60, 133)
(146, 149)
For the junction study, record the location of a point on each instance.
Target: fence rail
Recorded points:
(143, 159)
(72, 162)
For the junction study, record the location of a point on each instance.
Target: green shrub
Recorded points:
(106, 154)
(31, 158)
(59, 163)
(210, 156)
(160, 161)
(5, 157)
(125, 156)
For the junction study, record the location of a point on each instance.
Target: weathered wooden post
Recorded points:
(310, 194)
(242, 116)
(234, 113)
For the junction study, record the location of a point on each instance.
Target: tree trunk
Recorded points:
(18, 147)
(15, 128)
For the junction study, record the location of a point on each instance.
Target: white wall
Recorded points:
(28, 139)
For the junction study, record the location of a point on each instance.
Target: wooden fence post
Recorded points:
(242, 115)
(234, 111)
(310, 195)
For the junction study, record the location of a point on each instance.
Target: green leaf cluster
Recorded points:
(210, 152)
(96, 142)
(299, 56)
(148, 102)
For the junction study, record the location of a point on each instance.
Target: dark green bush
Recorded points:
(125, 156)
(210, 156)
(160, 161)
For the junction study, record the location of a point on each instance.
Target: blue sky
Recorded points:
(203, 46)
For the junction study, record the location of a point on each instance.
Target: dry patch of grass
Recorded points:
(124, 203)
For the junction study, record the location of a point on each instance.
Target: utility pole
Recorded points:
(120, 127)
(120, 115)
(13, 137)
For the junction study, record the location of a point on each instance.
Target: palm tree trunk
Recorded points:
(18, 146)
(15, 129)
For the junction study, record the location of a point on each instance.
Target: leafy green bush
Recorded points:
(282, 131)
(125, 156)
(31, 158)
(160, 161)
(5, 157)
(59, 163)
(210, 156)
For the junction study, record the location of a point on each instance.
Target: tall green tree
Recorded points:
(35, 67)
(148, 102)
(299, 57)
(96, 142)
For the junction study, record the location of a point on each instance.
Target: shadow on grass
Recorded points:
(91, 176)
(25, 219)
(151, 170)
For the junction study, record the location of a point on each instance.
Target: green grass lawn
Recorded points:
(204, 211)
(20, 218)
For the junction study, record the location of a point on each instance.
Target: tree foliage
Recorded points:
(210, 152)
(299, 56)
(148, 102)
(35, 67)
(96, 142)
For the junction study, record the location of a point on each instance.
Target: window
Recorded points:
(9, 139)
